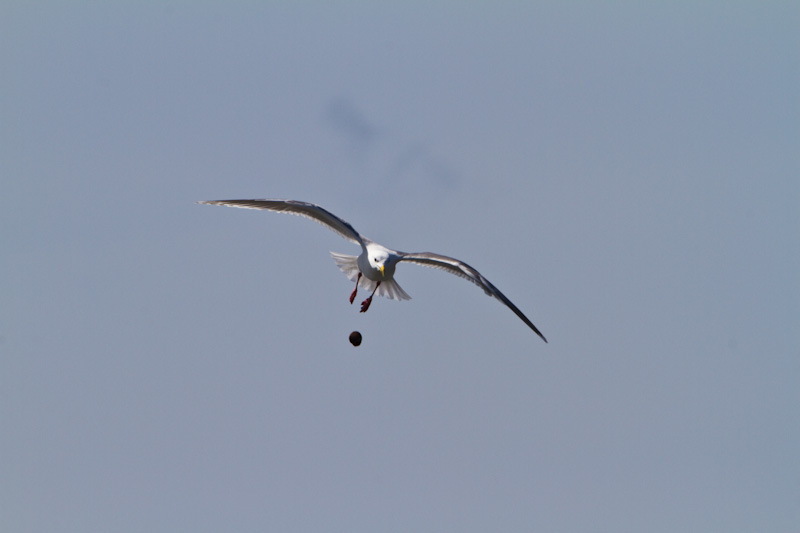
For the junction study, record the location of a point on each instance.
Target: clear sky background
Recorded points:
(626, 172)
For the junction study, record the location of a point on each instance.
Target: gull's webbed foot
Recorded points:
(353, 294)
(365, 304)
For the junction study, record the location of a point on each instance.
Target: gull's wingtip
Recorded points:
(536, 330)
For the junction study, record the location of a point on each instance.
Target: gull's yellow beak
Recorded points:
(380, 267)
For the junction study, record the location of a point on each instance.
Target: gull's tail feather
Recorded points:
(388, 289)
(347, 264)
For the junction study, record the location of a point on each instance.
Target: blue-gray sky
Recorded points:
(627, 173)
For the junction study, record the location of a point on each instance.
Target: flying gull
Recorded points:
(373, 270)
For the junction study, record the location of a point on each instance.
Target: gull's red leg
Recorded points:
(353, 294)
(365, 303)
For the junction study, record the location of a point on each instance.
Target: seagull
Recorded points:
(373, 270)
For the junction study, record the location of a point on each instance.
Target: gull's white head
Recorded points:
(380, 260)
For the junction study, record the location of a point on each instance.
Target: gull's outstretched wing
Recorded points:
(460, 268)
(304, 209)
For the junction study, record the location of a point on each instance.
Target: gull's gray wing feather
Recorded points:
(303, 209)
(460, 268)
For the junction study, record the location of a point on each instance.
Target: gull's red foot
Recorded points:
(353, 294)
(365, 304)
